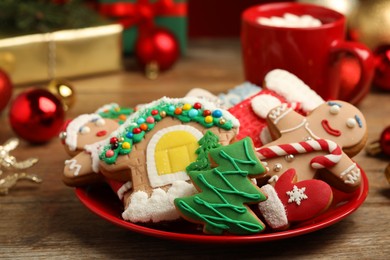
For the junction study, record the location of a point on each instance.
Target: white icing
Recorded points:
(273, 179)
(292, 89)
(294, 128)
(334, 110)
(297, 195)
(286, 112)
(156, 180)
(290, 20)
(84, 130)
(74, 127)
(353, 174)
(276, 112)
(73, 166)
(272, 209)
(94, 151)
(100, 122)
(123, 189)
(159, 206)
(351, 122)
(263, 104)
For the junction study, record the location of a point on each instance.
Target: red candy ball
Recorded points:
(36, 115)
(197, 105)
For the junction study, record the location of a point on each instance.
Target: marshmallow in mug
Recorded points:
(290, 20)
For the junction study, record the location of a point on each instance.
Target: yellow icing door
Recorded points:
(175, 151)
(169, 152)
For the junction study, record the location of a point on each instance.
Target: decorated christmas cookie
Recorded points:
(319, 144)
(224, 192)
(85, 130)
(90, 128)
(144, 160)
(280, 87)
(302, 200)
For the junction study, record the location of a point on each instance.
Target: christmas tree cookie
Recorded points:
(224, 192)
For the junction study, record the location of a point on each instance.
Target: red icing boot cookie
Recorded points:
(320, 143)
(305, 199)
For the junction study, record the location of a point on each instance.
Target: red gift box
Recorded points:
(136, 14)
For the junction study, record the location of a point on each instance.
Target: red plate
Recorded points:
(103, 202)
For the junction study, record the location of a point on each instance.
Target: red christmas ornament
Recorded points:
(156, 49)
(385, 141)
(5, 89)
(349, 76)
(381, 146)
(382, 70)
(36, 115)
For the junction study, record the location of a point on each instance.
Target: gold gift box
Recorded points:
(62, 54)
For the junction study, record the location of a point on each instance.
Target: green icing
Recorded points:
(206, 143)
(225, 190)
(133, 135)
(116, 113)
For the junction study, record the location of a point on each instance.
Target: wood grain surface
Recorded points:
(47, 221)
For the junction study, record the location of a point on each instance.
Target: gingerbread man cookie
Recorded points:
(319, 144)
(85, 130)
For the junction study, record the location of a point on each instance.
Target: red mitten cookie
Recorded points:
(302, 200)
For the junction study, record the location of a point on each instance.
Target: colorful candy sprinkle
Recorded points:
(208, 119)
(113, 140)
(129, 135)
(122, 117)
(137, 130)
(154, 112)
(126, 145)
(143, 127)
(217, 113)
(141, 120)
(109, 153)
(193, 113)
(206, 112)
(178, 111)
(197, 105)
(150, 120)
(186, 106)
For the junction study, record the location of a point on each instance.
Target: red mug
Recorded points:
(313, 54)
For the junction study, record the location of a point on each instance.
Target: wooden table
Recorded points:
(47, 220)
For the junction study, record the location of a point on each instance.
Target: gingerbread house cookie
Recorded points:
(144, 160)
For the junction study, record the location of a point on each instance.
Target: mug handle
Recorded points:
(366, 62)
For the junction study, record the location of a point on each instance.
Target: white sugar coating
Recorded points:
(74, 126)
(292, 89)
(291, 21)
(159, 206)
(272, 209)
